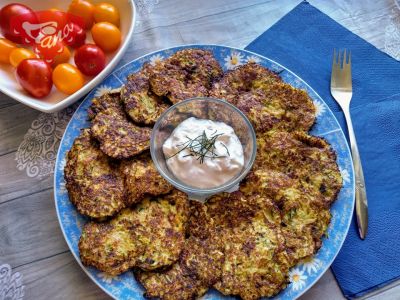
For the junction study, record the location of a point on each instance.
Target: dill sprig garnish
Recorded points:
(202, 147)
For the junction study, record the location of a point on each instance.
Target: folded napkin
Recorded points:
(303, 41)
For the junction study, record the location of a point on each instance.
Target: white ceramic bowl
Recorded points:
(56, 100)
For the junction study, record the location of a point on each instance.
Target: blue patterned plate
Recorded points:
(303, 276)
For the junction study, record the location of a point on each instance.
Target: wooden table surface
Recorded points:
(31, 242)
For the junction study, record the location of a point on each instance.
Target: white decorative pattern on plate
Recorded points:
(302, 276)
(11, 287)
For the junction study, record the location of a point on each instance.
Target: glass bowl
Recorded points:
(203, 108)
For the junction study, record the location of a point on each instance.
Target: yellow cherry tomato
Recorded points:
(6, 47)
(83, 9)
(106, 35)
(19, 54)
(67, 78)
(106, 12)
(63, 57)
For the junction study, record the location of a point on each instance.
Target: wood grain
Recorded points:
(58, 277)
(15, 120)
(30, 238)
(15, 183)
(29, 229)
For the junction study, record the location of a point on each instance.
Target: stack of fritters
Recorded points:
(241, 243)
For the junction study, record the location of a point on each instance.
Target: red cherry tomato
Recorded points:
(79, 36)
(12, 10)
(90, 59)
(34, 75)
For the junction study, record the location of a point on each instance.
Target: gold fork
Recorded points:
(342, 91)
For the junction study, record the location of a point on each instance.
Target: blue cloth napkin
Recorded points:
(303, 41)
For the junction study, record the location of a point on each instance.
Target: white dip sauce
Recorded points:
(183, 148)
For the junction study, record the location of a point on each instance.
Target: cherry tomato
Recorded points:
(11, 10)
(83, 9)
(63, 57)
(80, 36)
(6, 47)
(67, 78)
(34, 75)
(107, 36)
(106, 12)
(19, 54)
(90, 59)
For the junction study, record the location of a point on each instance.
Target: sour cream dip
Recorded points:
(203, 153)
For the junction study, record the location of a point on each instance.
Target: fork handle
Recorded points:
(361, 192)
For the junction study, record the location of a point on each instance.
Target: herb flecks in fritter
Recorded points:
(186, 74)
(118, 137)
(142, 179)
(149, 235)
(265, 99)
(94, 184)
(141, 104)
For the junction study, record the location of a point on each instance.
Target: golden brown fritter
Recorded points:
(141, 104)
(243, 79)
(198, 268)
(256, 264)
(118, 137)
(268, 102)
(149, 235)
(203, 259)
(162, 229)
(94, 185)
(300, 156)
(108, 103)
(300, 174)
(186, 74)
(172, 284)
(142, 179)
(255, 260)
(305, 216)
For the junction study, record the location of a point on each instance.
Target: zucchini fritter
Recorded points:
(255, 260)
(141, 104)
(108, 103)
(198, 268)
(268, 102)
(118, 137)
(243, 79)
(300, 156)
(186, 74)
(149, 236)
(142, 178)
(172, 284)
(305, 216)
(94, 185)
(300, 174)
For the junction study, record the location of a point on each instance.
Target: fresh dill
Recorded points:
(202, 147)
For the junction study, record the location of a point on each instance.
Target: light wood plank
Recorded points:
(29, 229)
(58, 277)
(164, 16)
(15, 183)
(233, 28)
(6, 101)
(15, 121)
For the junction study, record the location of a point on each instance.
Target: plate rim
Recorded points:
(91, 84)
(328, 265)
